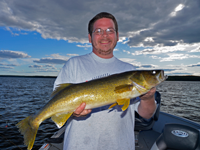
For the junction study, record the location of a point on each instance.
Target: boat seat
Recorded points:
(146, 124)
(178, 137)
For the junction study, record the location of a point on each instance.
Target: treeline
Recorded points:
(170, 78)
(183, 78)
(21, 76)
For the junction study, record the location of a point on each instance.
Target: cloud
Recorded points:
(148, 66)
(125, 51)
(166, 23)
(194, 65)
(5, 64)
(44, 68)
(50, 61)
(84, 46)
(181, 47)
(13, 54)
(180, 73)
(138, 64)
(6, 67)
(35, 66)
(167, 70)
(171, 29)
(128, 60)
(159, 29)
(72, 55)
(175, 56)
(57, 59)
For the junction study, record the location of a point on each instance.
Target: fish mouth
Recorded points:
(161, 77)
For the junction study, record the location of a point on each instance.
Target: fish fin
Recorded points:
(113, 105)
(60, 119)
(123, 88)
(59, 88)
(125, 102)
(28, 131)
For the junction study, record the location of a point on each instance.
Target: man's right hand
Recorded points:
(81, 111)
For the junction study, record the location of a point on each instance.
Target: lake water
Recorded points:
(21, 97)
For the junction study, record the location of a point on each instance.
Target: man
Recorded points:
(101, 128)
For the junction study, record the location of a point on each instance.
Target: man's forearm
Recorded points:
(147, 108)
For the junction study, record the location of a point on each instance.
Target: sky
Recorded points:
(38, 37)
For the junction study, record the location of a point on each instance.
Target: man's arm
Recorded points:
(147, 104)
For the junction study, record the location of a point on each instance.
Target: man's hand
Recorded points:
(149, 95)
(81, 111)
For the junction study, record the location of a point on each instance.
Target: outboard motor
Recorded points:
(178, 137)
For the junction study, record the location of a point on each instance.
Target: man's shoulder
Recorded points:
(122, 62)
(80, 57)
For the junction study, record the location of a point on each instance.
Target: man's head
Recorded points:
(103, 34)
(99, 16)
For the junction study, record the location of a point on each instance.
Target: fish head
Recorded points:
(147, 79)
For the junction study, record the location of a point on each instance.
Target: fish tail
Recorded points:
(28, 130)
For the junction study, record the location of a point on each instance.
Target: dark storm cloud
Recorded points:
(170, 30)
(68, 20)
(13, 54)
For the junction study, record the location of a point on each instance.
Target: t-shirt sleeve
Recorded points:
(66, 74)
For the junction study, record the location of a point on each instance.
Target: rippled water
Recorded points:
(21, 97)
(181, 98)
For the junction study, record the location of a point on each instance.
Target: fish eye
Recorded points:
(153, 72)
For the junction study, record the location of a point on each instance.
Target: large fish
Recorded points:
(116, 89)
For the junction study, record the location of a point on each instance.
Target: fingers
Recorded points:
(81, 111)
(148, 95)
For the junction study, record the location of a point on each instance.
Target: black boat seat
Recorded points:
(144, 124)
(178, 137)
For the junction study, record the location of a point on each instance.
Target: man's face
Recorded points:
(103, 45)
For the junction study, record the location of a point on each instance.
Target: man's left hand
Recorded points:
(149, 95)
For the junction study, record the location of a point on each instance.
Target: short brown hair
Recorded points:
(99, 16)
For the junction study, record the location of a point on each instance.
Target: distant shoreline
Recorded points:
(21, 76)
(170, 78)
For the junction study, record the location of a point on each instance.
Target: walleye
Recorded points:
(116, 89)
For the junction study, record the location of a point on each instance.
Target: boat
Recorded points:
(163, 131)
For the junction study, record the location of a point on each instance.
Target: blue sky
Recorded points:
(38, 37)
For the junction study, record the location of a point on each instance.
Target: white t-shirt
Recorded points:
(103, 128)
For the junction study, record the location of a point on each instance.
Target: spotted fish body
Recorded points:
(116, 89)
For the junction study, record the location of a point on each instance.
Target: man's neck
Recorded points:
(103, 56)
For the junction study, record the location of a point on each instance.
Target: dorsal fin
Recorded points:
(59, 88)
